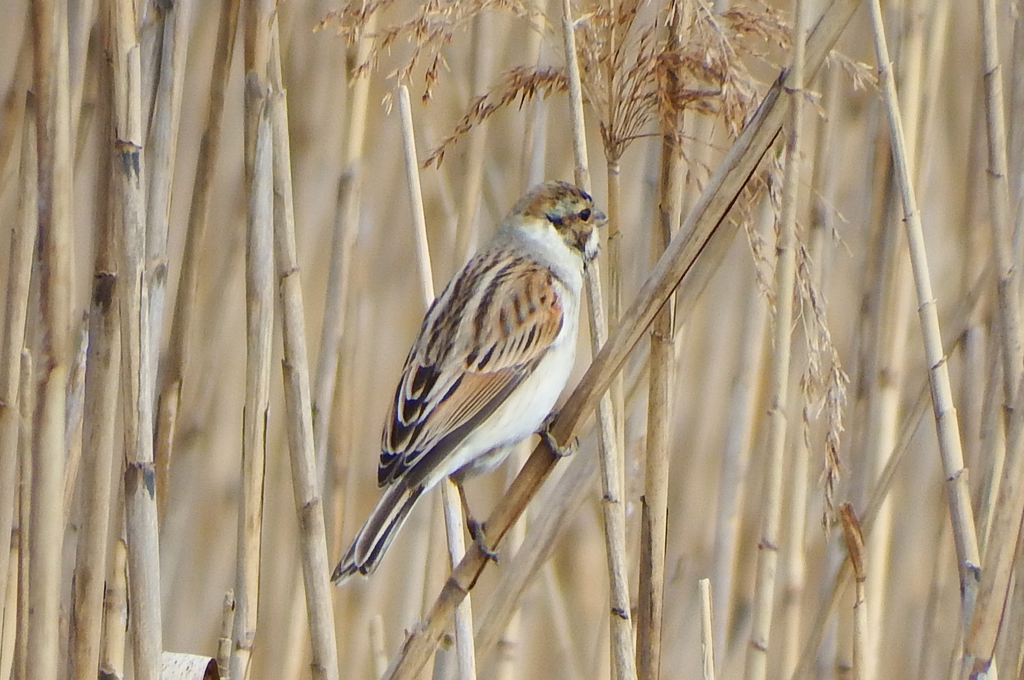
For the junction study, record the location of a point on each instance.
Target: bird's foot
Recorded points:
(559, 450)
(476, 530)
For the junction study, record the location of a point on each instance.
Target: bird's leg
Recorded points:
(559, 450)
(476, 529)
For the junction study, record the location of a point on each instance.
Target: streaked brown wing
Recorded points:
(482, 337)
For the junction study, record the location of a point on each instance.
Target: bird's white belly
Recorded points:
(520, 415)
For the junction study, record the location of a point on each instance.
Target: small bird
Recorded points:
(492, 356)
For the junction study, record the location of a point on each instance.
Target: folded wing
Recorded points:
(463, 366)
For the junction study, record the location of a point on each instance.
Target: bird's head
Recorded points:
(569, 211)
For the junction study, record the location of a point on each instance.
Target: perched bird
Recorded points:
(492, 356)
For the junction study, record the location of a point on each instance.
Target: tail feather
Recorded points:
(380, 528)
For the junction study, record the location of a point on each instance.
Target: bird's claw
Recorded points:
(559, 450)
(476, 530)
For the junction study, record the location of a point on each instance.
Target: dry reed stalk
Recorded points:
(707, 629)
(227, 622)
(1016, 143)
(484, 46)
(837, 579)
(944, 411)
(509, 659)
(566, 498)
(298, 402)
(705, 231)
(778, 398)
(46, 531)
(136, 367)
(339, 277)
(161, 153)
(74, 409)
(742, 421)
(453, 519)
(889, 345)
(611, 455)
(115, 611)
(380, 657)
(81, 22)
(259, 294)
(855, 549)
(931, 641)
(654, 502)
(173, 368)
(999, 205)
(27, 399)
(19, 269)
(795, 559)
(9, 613)
(101, 392)
(1009, 500)
(12, 111)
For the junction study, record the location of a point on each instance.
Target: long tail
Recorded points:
(380, 529)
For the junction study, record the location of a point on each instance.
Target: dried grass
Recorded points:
(361, 302)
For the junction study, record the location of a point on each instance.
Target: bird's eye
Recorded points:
(585, 214)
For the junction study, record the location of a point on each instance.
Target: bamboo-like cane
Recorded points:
(259, 302)
(224, 641)
(161, 154)
(785, 280)
(483, 47)
(53, 130)
(9, 613)
(184, 308)
(23, 239)
(115, 608)
(1009, 501)
(101, 391)
(654, 502)
(705, 221)
(380, 657)
(298, 402)
(706, 631)
(454, 525)
(136, 367)
(855, 548)
(612, 463)
(27, 399)
(259, 335)
(339, 275)
(838, 580)
(746, 392)
(945, 414)
(13, 111)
